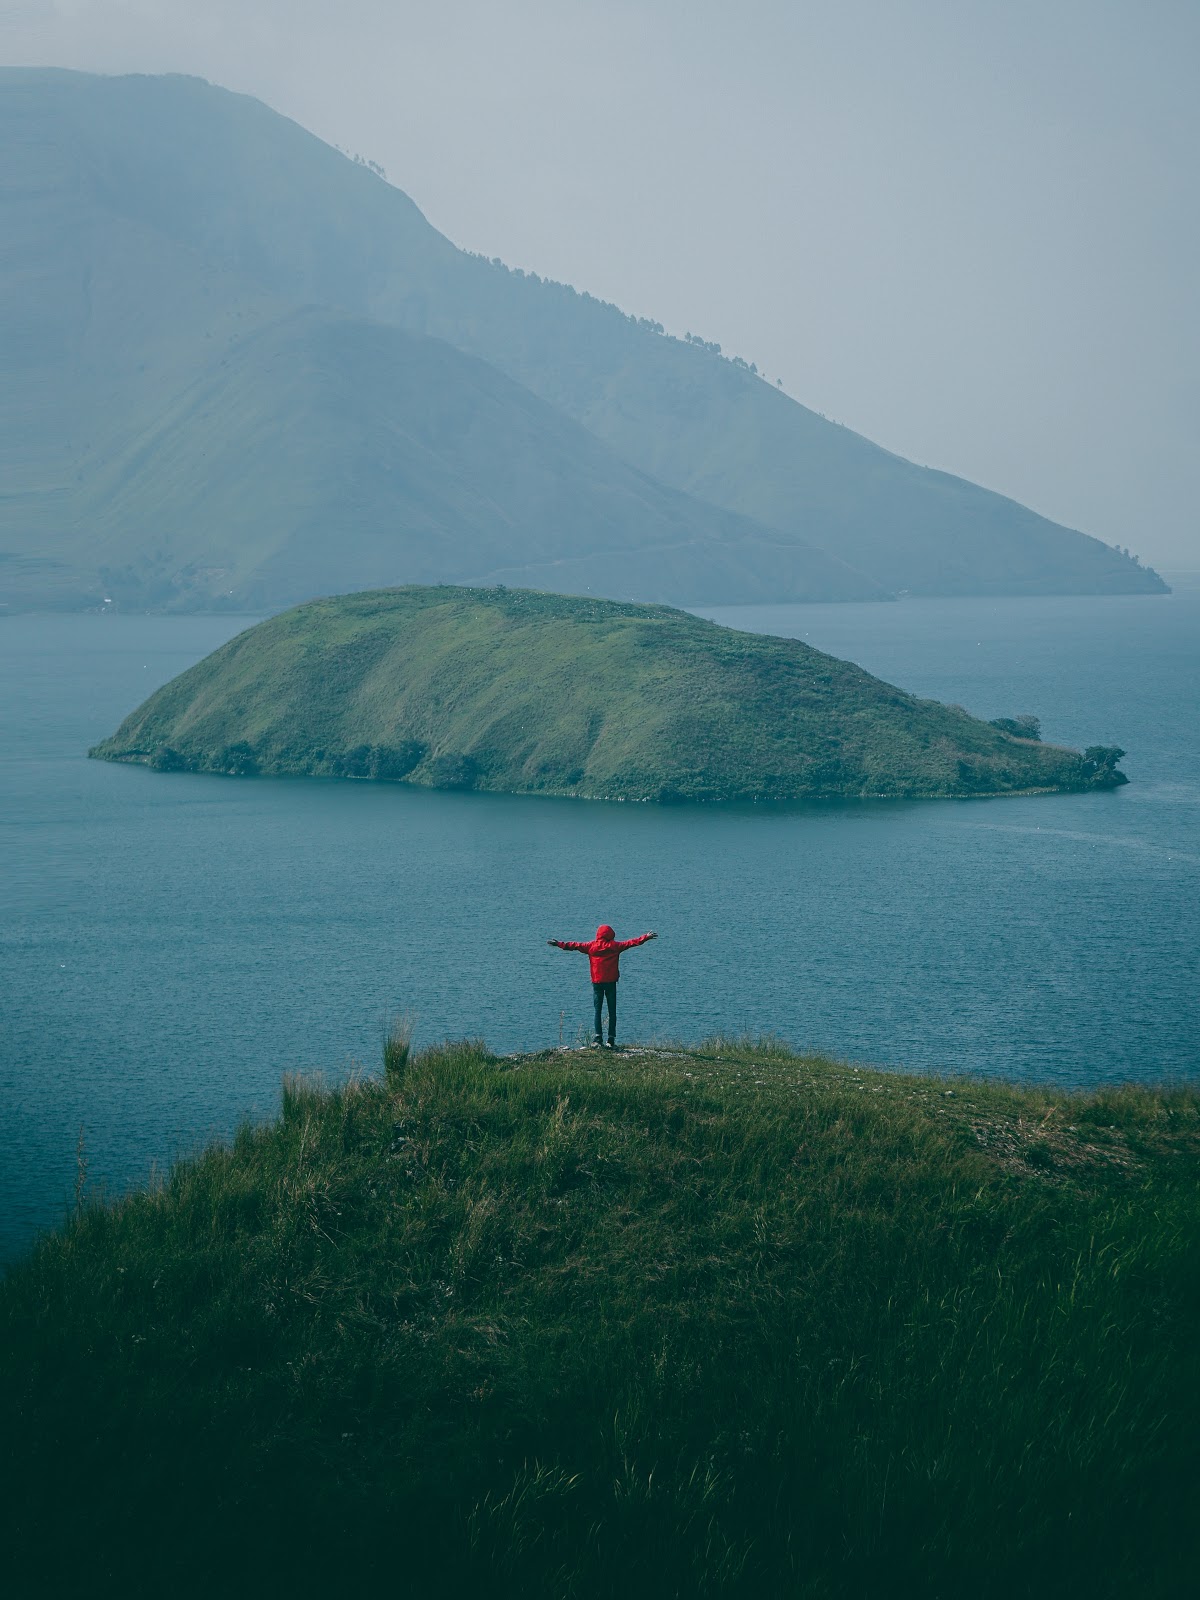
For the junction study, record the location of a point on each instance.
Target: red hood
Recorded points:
(605, 933)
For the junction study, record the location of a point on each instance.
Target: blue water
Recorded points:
(171, 944)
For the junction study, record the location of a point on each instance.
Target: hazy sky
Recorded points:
(968, 228)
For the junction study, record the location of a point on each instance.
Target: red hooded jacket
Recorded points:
(603, 952)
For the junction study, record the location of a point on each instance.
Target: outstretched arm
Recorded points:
(564, 944)
(628, 944)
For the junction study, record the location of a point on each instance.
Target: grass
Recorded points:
(397, 1049)
(725, 1321)
(516, 691)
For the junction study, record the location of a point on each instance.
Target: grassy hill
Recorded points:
(161, 234)
(725, 1321)
(522, 692)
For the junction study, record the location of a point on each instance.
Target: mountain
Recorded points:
(203, 304)
(321, 451)
(177, 436)
(514, 691)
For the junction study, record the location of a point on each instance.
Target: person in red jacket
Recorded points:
(604, 954)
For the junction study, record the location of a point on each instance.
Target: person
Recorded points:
(604, 954)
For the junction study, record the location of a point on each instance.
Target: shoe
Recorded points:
(612, 1044)
(597, 1043)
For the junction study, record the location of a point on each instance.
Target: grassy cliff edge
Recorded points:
(516, 691)
(725, 1320)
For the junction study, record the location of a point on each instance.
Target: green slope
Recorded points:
(722, 1322)
(522, 692)
(223, 178)
(323, 452)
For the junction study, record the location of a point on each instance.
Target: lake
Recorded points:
(172, 944)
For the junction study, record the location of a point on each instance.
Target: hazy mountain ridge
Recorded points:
(162, 224)
(184, 437)
(327, 452)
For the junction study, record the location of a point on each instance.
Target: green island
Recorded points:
(520, 692)
(676, 1322)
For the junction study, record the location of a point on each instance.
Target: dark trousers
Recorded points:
(600, 993)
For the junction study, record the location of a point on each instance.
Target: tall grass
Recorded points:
(397, 1047)
(727, 1322)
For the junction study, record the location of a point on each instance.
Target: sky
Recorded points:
(969, 229)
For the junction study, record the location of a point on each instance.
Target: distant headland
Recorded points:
(520, 692)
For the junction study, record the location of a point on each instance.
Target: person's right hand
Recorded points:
(651, 936)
